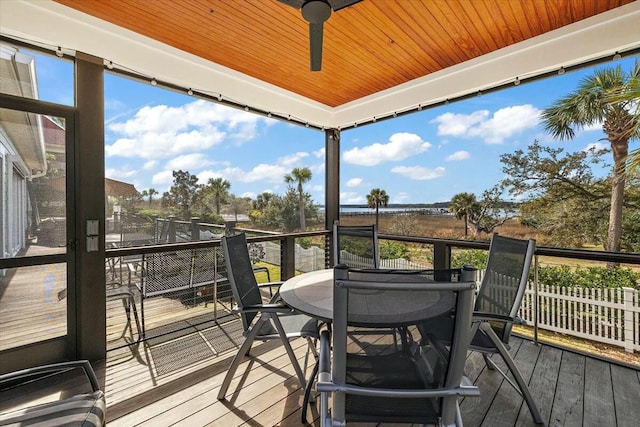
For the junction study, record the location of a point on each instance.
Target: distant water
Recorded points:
(366, 210)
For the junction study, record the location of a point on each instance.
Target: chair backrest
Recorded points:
(505, 279)
(240, 274)
(356, 246)
(402, 298)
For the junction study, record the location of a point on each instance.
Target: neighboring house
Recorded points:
(114, 188)
(22, 152)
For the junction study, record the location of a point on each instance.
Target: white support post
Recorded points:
(628, 320)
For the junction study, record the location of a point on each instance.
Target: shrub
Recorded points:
(473, 257)
(589, 277)
(393, 250)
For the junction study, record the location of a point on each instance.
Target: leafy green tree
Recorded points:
(300, 176)
(219, 189)
(150, 193)
(591, 104)
(259, 206)
(629, 93)
(239, 205)
(281, 212)
(562, 197)
(463, 205)
(491, 211)
(377, 198)
(184, 192)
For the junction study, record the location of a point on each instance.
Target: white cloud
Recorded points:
(188, 162)
(400, 197)
(597, 146)
(319, 153)
(419, 173)
(354, 182)
(351, 198)
(400, 146)
(164, 177)
(593, 127)
(250, 194)
(261, 172)
(504, 123)
(162, 131)
(292, 159)
(458, 124)
(318, 169)
(316, 188)
(458, 155)
(120, 173)
(151, 164)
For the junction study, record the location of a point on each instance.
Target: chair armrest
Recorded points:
(261, 269)
(54, 368)
(483, 316)
(266, 308)
(397, 393)
(324, 361)
(270, 285)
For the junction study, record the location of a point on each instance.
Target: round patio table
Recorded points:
(312, 294)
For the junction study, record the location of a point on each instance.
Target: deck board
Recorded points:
(506, 405)
(569, 401)
(626, 392)
(599, 408)
(542, 386)
(474, 409)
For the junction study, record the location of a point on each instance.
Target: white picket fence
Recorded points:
(610, 316)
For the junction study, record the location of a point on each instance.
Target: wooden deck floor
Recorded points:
(174, 382)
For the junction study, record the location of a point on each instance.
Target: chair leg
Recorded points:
(242, 351)
(307, 392)
(287, 346)
(135, 317)
(488, 362)
(522, 384)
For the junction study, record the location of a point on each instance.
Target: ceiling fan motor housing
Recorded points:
(316, 11)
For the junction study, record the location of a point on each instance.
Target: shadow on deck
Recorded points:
(175, 380)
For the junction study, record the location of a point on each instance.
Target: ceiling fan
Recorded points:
(315, 12)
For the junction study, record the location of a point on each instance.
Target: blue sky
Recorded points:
(418, 158)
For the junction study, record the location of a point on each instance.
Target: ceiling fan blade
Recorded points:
(315, 46)
(293, 3)
(336, 5)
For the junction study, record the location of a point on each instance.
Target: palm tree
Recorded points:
(377, 198)
(151, 192)
(300, 176)
(590, 104)
(463, 205)
(219, 189)
(630, 93)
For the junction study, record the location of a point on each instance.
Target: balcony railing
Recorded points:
(610, 316)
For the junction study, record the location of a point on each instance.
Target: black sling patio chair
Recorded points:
(261, 321)
(361, 239)
(496, 308)
(415, 385)
(497, 304)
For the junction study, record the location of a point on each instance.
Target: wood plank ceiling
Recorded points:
(368, 47)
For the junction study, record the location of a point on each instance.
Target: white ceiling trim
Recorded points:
(57, 25)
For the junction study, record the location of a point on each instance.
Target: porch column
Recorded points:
(332, 183)
(91, 328)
